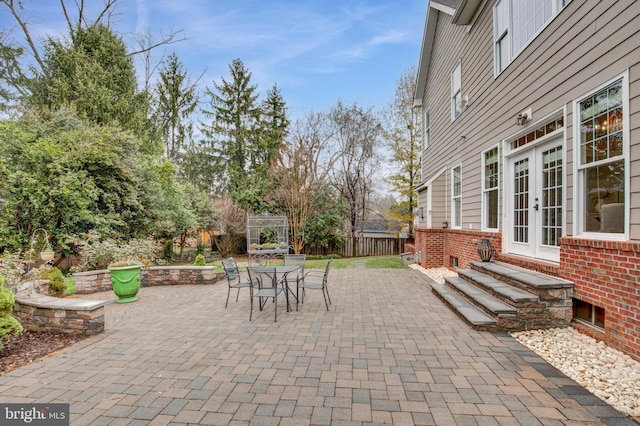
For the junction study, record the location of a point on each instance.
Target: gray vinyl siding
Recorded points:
(439, 212)
(422, 202)
(589, 43)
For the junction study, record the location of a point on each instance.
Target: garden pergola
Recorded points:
(267, 237)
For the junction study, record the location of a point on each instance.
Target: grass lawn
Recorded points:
(393, 262)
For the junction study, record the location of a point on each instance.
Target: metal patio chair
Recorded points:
(266, 286)
(234, 278)
(314, 280)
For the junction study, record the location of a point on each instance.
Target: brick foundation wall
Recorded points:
(430, 243)
(607, 274)
(439, 246)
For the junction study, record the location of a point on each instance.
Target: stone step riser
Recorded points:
(480, 327)
(552, 309)
(517, 304)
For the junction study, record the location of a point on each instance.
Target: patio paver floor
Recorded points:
(388, 351)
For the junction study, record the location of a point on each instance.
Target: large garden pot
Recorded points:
(126, 282)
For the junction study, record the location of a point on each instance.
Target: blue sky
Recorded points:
(317, 51)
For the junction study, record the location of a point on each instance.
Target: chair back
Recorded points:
(295, 260)
(264, 276)
(231, 270)
(326, 271)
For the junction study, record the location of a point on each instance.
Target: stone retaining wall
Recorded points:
(100, 280)
(38, 312)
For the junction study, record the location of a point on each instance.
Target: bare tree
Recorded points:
(146, 43)
(356, 133)
(302, 168)
(403, 135)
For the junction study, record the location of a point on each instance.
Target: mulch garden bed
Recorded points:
(31, 346)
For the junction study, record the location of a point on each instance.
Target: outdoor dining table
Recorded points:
(281, 272)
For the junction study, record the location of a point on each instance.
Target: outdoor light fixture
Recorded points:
(486, 250)
(421, 212)
(524, 117)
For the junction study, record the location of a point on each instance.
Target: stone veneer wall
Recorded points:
(37, 311)
(100, 280)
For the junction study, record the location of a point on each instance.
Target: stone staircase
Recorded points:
(496, 296)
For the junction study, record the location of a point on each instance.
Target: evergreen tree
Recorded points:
(176, 99)
(93, 74)
(275, 126)
(234, 125)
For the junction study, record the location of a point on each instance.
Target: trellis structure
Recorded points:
(267, 236)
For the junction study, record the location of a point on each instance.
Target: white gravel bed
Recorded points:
(609, 374)
(436, 274)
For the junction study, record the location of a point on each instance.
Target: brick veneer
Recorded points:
(438, 246)
(605, 274)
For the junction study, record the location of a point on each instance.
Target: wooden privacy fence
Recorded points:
(364, 246)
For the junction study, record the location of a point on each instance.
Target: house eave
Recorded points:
(431, 178)
(425, 54)
(466, 11)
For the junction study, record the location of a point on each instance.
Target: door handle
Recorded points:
(535, 206)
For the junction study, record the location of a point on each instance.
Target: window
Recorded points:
(501, 19)
(425, 126)
(456, 197)
(601, 163)
(588, 313)
(490, 188)
(456, 92)
(516, 23)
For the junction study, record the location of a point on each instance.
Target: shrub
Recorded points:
(200, 261)
(98, 254)
(8, 324)
(57, 286)
(12, 269)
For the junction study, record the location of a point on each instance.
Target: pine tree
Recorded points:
(235, 118)
(176, 101)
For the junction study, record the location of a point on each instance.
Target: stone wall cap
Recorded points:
(42, 301)
(182, 267)
(94, 272)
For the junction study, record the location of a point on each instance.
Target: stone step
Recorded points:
(523, 276)
(480, 297)
(470, 313)
(500, 288)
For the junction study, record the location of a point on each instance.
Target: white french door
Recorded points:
(535, 201)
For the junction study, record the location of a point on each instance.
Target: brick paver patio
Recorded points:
(388, 351)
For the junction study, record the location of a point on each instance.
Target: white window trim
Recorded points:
(496, 37)
(557, 7)
(484, 191)
(578, 221)
(452, 94)
(454, 197)
(426, 118)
